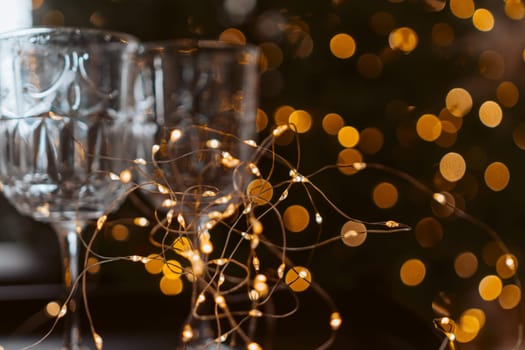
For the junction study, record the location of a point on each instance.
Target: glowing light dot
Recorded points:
(452, 166)
(510, 296)
(282, 114)
(99, 342)
(296, 218)
(353, 233)
(155, 264)
(515, 9)
(385, 195)
(253, 346)
(125, 176)
(332, 122)
(213, 143)
(404, 39)
(300, 121)
(172, 269)
(260, 191)
(507, 266)
(298, 278)
(233, 36)
(468, 328)
(412, 272)
(428, 127)
(347, 158)
(483, 20)
(141, 221)
(466, 264)
(342, 45)
(175, 135)
(428, 232)
(52, 309)
(261, 120)
(491, 64)
(348, 136)
(518, 136)
(462, 8)
(507, 94)
(93, 265)
(101, 221)
(120, 232)
(170, 286)
(140, 161)
(490, 287)
(459, 102)
(370, 140)
(497, 176)
(335, 321)
(490, 114)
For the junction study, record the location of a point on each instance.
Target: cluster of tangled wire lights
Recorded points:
(223, 248)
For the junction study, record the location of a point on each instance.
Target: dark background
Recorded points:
(378, 311)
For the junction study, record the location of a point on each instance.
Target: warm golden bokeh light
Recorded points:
(514, 9)
(452, 166)
(497, 176)
(53, 309)
(491, 64)
(490, 287)
(298, 278)
(120, 232)
(490, 114)
(510, 297)
(273, 54)
(483, 20)
(93, 265)
(342, 45)
(53, 18)
(260, 191)
(172, 269)
(507, 94)
(459, 102)
(353, 233)
(403, 39)
(462, 8)
(442, 34)
(468, 328)
(412, 272)
(154, 264)
(348, 136)
(428, 127)
(450, 124)
(170, 286)
(506, 266)
(332, 123)
(518, 136)
(346, 158)
(428, 232)
(282, 114)
(296, 218)
(466, 264)
(385, 195)
(261, 120)
(382, 22)
(371, 140)
(369, 65)
(300, 121)
(233, 36)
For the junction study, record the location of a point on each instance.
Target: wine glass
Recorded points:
(64, 101)
(197, 103)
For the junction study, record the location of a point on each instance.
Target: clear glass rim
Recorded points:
(114, 36)
(185, 44)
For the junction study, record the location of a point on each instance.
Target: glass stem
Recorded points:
(68, 235)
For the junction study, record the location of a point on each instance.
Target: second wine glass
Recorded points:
(197, 103)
